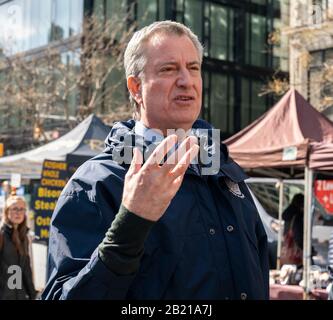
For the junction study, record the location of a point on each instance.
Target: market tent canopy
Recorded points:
(292, 133)
(81, 143)
(321, 156)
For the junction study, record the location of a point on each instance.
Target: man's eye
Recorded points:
(167, 69)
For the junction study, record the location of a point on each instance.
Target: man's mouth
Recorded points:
(184, 98)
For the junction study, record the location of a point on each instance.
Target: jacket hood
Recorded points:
(122, 138)
(115, 138)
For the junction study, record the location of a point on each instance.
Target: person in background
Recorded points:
(14, 251)
(293, 217)
(292, 247)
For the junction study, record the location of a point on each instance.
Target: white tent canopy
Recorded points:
(29, 164)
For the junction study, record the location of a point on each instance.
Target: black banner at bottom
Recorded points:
(174, 309)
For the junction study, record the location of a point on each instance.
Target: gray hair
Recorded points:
(134, 57)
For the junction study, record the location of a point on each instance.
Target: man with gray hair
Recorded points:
(152, 217)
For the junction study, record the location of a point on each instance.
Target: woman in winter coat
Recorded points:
(15, 270)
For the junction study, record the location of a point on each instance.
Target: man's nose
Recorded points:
(184, 78)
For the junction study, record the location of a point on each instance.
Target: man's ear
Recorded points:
(134, 87)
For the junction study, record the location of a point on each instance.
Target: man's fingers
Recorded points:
(137, 161)
(175, 157)
(161, 150)
(185, 161)
(185, 146)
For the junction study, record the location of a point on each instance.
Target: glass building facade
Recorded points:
(29, 24)
(30, 27)
(237, 57)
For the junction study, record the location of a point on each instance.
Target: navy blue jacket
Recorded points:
(209, 244)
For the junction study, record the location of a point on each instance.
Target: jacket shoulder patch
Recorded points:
(234, 188)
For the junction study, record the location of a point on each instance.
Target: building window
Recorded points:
(31, 24)
(280, 47)
(245, 103)
(221, 32)
(212, 23)
(147, 12)
(258, 104)
(24, 25)
(219, 101)
(319, 11)
(320, 86)
(76, 16)
(277, 4)
(260, 2)
(67, 18)
(252, 106)
(256, 40)
(60, 19)
(193, 16)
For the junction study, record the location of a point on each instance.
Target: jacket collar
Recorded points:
(137, 134)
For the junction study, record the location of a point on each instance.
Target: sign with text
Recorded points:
(324, 194)
(15, 180)
(54, 174)
(54, 179)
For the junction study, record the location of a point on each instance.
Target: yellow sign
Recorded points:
(54, 178)
(54, 174)
(1, 149)
(55, 165)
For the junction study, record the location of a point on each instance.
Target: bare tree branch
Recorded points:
(88, 67)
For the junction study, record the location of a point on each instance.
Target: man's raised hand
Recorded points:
(150, 187)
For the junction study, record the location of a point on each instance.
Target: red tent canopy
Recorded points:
(321, 156)
(291, 134)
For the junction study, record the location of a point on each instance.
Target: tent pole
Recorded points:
(309, 223)
(307, 230)
(279, 244)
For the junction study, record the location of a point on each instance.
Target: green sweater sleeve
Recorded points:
(123, 245)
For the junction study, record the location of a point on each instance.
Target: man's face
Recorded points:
(171, 87)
